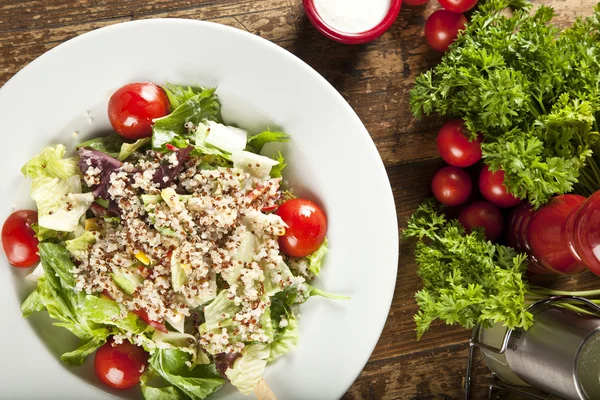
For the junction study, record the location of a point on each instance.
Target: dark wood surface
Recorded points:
(375, 79)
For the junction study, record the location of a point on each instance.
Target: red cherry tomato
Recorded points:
(307, 226)
(415, 2)
(120, 365)
(132, 108)
(454, 146)
(482, 214)
(458, 6)
(18, 239)
(491, 186)
(441, 29)
(451, 186)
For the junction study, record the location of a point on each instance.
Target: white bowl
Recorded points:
(331, 159)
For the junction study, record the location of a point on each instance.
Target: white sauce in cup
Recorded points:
(352, 16)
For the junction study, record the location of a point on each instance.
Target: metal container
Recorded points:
(559, 353)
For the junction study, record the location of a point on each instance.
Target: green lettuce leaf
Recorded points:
(316, 259)
(286, 339)
(197, 382)
(80, 244)
(52, 164)
(110, 144)
(60, 202)
(179, 94)
(256, 142)
(128, 149)
(78, 356)
(114, 145)
(107, 312)
(276, 170)
(155, 388)
(171, 128)
(249, 368)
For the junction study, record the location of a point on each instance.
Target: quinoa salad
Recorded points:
(172, 245)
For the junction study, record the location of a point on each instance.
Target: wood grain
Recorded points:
(376, 79)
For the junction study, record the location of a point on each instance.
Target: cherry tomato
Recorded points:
(482, 214)
(18, 239)
(132, 108)
(442, 28)
(454, 146)
(458, 6)
(451, 186)
(120, 365)
(415, 2)
(491, 186)
(307, 226)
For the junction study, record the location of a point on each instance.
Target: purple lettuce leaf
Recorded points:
(166, 173)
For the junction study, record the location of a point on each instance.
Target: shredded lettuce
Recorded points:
(51, 163)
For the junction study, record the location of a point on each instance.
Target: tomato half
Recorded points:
(482, 214)
(120, 365)
(307, 226)
(458, 6)
(441, 29)
(451, 186)
(132, 108)
(455, 147)
(491, 186)
(18, 239)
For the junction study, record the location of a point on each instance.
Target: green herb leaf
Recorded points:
(467, 280)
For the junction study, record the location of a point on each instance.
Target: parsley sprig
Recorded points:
(532, 90)
(467, 280)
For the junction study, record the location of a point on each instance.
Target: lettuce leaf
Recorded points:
(80, 244)
(286, 340)
(247, 370)
(90, 318)
(52, 164)
(277, 170)
(256, 142)
(114, 145)
(197, 382)
(60, 202)
(171, 128)
(316, 259)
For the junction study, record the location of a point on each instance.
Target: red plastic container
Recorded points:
(347, 37)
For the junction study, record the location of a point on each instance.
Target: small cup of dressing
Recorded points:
(352, 21)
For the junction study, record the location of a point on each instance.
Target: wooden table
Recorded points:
(376, 79)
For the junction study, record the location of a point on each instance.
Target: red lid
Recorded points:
(352, 38)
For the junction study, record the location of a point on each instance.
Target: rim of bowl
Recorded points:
(347, 37)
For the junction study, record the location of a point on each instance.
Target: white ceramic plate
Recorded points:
(331, 158)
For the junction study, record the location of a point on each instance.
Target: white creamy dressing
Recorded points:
(352, 16)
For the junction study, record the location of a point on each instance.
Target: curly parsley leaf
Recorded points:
(467, 280)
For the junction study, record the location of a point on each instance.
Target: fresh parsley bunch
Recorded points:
(532, 90)
(467, 280)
